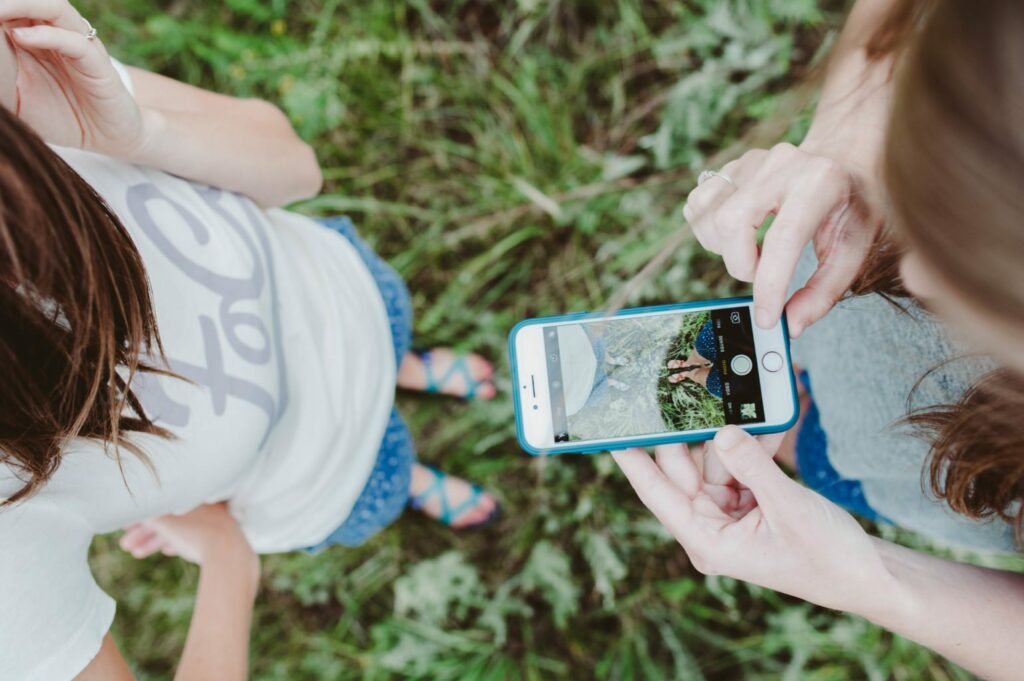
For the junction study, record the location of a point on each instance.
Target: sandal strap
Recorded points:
(471, 501)
(418, 501)
(448, 514)
(459, 365)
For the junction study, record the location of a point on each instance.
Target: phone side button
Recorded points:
(771, 361)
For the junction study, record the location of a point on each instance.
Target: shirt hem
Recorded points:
(83, 646)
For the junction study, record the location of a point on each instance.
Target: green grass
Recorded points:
(511, 159)
(687, 405)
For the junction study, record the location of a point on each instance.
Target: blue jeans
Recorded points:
(386, 492)
(816, 470)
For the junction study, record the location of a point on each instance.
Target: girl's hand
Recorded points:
(815, 199)
(218, 637)
(196, 536)
(67, 88)
(763, 528)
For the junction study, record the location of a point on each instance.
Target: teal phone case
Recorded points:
(648, 441)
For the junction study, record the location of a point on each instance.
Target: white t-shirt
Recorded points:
(579, 366)
(284, 332)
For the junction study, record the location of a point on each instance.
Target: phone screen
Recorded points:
(652, 374)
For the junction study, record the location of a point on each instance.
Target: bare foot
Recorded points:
(467, 376)
(450, 497)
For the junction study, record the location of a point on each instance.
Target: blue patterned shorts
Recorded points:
(706, 348)
(387, 490)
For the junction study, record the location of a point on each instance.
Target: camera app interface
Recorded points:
(652, 374)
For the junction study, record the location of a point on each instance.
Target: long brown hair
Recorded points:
(76, 317)
(954, 175)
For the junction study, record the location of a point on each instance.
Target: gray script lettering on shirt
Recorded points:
(263, 345)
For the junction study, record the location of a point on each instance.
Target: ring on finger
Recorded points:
(706, 175)
(90, 32)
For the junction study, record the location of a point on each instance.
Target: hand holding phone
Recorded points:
(775, 532)
(675, 373)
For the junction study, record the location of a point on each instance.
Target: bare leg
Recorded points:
(694, 359)
(697, 358)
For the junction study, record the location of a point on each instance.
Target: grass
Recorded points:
(687, 405)
(511, 159)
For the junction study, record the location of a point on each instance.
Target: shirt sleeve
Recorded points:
(53, 615)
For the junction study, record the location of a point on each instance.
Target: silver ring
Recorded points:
(706, 175)
(90, 34)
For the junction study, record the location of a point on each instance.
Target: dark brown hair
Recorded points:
(954, 175)
(75, 313)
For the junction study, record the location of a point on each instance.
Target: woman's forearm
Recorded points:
(242, 145)
(218, 638)
(852, 113)
(971, 615)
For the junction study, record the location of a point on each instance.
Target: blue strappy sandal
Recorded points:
(448, 514)
(459, 366)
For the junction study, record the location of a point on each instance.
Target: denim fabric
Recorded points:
(706, 348)
(705, 343)
(392, 288)
(817, 471)
(387, 490)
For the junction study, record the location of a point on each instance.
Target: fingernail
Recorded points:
(763, 317)
(795, 330)
(728, 437)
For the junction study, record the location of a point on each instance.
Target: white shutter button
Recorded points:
(741, 365)
(771, 361)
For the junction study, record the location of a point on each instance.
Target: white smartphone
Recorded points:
(675, 373)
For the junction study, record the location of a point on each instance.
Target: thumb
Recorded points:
(751, 464)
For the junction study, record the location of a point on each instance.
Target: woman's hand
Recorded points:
(821, 192)
(69, 92)
(815, 198)
(758, 525)
(196, 536)
(67, 88)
